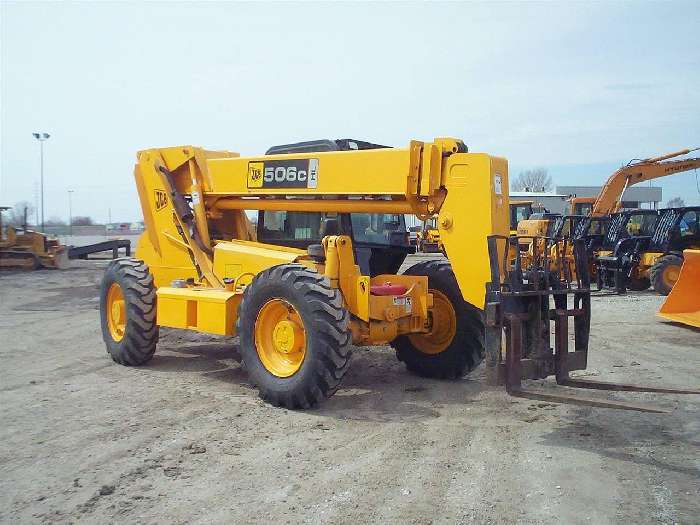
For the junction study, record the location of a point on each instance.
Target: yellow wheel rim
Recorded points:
(443, 326)
(670, 275)
(280, 338)
(116, 312)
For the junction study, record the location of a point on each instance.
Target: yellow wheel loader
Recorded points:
(319, 273)
(683, 303)
(428, 238)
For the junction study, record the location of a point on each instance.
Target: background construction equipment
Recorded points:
(683, 303)
(25, 248)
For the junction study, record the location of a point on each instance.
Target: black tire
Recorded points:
(325, 320)
(658, 279)
(138, 343)
(638, 284)
(466, 350)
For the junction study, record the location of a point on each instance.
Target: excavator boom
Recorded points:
(610, 197)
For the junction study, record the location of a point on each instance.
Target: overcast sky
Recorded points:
(575, 87)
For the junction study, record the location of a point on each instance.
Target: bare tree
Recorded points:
(675, 202)
(82, 221)
(54, 221)
(532, 180)
(17, 214)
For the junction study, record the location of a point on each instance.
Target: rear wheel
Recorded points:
(128, 312)
(664, 273)
(294, 336)
(454, 346)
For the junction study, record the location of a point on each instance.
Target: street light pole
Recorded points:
(70, 214)
(41, 137)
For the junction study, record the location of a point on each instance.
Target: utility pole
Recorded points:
(70, 213)
(42, 137)
(36, 204)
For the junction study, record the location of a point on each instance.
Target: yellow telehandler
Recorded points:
(319, 273)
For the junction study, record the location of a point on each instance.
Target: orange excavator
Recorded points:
(609, 199)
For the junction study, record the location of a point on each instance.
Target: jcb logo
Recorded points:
(161, 200)
(255, 174)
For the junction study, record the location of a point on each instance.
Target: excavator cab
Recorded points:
(583, 208)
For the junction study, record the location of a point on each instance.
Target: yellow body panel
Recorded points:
(533, 227)
(476, 205)
(683, 303)
(201, 309)
(646, 261)
(243, 260)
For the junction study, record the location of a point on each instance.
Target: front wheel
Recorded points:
(665, 272)
(128, 312)
(294, 336)
(454, 346)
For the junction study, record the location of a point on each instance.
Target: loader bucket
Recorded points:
(683, 303)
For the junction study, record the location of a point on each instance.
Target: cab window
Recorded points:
(376, 228)
(690, 224)
(597, 227)
(583, 208)
(290, 226)
(641, 224)
(519, 213)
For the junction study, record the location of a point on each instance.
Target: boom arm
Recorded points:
(610, 196)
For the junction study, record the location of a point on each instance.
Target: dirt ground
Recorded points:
(185, 439)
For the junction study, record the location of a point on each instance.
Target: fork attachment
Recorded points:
(523, 303)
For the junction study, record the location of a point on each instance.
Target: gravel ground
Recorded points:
(185, 439)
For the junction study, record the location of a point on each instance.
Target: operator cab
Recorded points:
(630, 223)
(519, 211)
(678, 229)
(380, 240)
